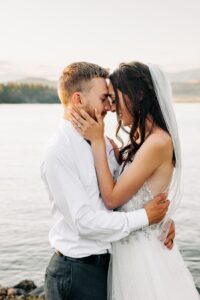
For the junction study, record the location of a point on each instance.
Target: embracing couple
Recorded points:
(112, 233)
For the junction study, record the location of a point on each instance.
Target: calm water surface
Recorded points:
(24, 208)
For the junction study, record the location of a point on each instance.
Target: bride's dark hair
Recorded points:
(135, 83)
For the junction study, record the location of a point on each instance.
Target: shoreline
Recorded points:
(187, 100)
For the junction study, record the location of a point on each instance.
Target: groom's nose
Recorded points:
(107, 105)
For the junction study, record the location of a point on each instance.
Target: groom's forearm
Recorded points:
(109, 227)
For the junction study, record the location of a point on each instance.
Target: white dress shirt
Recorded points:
(82, 224)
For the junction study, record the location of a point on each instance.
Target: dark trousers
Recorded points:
(77, 279)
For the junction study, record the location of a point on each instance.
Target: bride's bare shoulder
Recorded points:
(160, 138)
(157, 145)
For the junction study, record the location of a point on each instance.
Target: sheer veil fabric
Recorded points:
(163, 92)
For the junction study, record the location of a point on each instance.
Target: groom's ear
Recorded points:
(76, 98)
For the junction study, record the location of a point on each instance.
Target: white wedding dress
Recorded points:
(142, 268)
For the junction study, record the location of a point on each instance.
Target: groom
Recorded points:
(83, 228)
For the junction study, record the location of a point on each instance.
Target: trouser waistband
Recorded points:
(96, 259)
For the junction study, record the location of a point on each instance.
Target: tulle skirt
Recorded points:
(143, 269)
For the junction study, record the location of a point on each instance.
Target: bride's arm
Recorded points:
(148, 159)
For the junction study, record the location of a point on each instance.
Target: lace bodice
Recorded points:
(138, 201)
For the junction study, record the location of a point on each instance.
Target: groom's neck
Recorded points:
(66, 115)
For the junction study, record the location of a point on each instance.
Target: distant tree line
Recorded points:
(186, 89)
(39, 93)
(27, 93)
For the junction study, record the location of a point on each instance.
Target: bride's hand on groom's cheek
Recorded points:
(88, 127)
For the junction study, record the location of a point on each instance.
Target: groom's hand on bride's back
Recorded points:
(157, 208)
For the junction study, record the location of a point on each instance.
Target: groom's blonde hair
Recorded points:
(75, 78)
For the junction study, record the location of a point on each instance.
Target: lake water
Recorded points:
(24, 208)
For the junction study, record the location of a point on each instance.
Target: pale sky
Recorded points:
(40, 37)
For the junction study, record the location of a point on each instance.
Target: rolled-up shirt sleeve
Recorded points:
(71, 199)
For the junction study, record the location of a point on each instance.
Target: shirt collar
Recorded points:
(68, 129)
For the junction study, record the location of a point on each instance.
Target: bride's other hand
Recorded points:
(90, 129)
(115, 148)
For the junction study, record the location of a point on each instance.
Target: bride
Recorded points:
(142, 269)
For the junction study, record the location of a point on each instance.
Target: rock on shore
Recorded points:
(24, 290)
